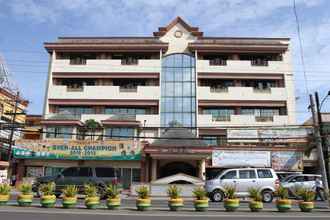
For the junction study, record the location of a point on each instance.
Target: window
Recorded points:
(298, 179)
(219, 114)
(230, 175)
(129, 61)
(59, 132)
(119, 133)
(75, 110)
(71, 172)
(105, 172)
(129, 111)
(136, 173)
(53, 171)
(247, 174)
(85, 172)
(263, 173)
(215, 140)
(77, 61)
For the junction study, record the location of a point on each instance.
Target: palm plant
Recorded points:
(255, 194)
(200, 193)
(174, 192)
(112, 191)
(143, 192)
(70, 191)
(282, 192)
(230, 191)
(90, 190)
(25, 188)
(47, 189)
(5, 189)
(306, 194)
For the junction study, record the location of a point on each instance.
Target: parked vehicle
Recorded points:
(282, 175)
(243, 179)
(293, 182)
(78, 176)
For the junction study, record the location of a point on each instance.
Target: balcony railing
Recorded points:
(265, 90)
(264, 118)
(219, 90)
(72, 89)
(221, 118)
(129, 61)
(218, 62)
(123, 89)
(259, 62)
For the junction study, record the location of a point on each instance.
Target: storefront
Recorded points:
(49, 157)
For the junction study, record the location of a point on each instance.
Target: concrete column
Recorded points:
(154, 170)
(201, 169)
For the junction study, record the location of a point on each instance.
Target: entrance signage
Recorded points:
(287, 161)
(227, 159)
(77, 149)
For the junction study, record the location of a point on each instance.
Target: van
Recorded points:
(243, 179)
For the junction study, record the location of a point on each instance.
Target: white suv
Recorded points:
(264, 179)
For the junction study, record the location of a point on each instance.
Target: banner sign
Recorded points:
(287, 161)
(77, 150)
(242, 135)
(227, 159)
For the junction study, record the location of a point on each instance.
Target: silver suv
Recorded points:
(243, 178)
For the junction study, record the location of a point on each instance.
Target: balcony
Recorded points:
(242, 120)
(107, 66)
(241, 93)
(243, 66)
(104, 92)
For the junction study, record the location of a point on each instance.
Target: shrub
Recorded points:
(306, 194)
(143, 192)
(5, 189)
(47, 189)
(70, 191)
(255, 194)
(90, 190)
(282, 192)
(174, 191)
(25, 188)
(200, 193)
(112, 191)
(230, 191)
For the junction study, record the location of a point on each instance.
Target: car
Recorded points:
(244, 178)
(282, 175)
(99, 176)
(295, 181)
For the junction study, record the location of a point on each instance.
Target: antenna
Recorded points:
(5, 78)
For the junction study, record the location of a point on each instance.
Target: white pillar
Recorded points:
(201, 169)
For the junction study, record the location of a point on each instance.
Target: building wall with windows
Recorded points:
(134, 87)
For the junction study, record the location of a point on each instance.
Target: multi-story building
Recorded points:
(136, 87)
(8, 101)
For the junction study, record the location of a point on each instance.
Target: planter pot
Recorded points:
(201, 205)
(231, 204)
(113, 203)
(283, 205)
(92, 202)
(69, 202)
(48, 201)
(24, 200)
(143, 204)
(175, 204)
(306, 206)
(256, 206)
(4, 199)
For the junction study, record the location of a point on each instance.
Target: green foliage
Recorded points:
(200, 193)
(306, 194)
(143, 192)
(5, 189)
(174, 191)
(255, 194)
(230, 191)
(90, 190)
(282, 192)
(91, 124)
(25, 188)
(112, 191)
(70, 191)
(47, 189)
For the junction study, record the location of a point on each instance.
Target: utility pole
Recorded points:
(319, 145)
(12, 128)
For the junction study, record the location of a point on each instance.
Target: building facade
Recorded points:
(131, 89)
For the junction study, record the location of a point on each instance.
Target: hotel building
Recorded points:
(177, 83)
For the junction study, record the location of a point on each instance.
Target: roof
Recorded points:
(178, 137)
(325, 118)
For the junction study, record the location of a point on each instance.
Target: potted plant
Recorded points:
(231, 202)
(69, 196)
(113, 194)
(143, 202)
(4, 193)
(201, 201)
(92, 200)
(175, 201)
(308, 196)
(255, 204)
(48, 198)
(25, 197)
(283, 203)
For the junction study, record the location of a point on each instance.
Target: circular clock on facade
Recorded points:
(178, 34)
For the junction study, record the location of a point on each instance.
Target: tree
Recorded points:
(91, 126)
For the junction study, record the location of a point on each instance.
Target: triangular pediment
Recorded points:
(178, 20)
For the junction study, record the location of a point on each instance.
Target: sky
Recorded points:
(26, 24)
